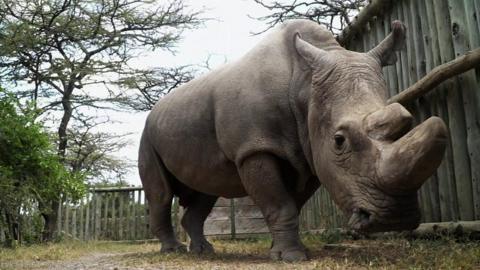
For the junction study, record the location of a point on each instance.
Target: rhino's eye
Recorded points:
(339, 140)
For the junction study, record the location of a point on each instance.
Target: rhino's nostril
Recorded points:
(364, 215)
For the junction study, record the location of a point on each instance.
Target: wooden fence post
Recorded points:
(232, 219)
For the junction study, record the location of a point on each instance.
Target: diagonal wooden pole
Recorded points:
(438, 75)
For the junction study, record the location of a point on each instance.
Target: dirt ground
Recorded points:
(442, 253)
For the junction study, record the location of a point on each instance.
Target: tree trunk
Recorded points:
(13, 230)
(49, 215)
(62, 129)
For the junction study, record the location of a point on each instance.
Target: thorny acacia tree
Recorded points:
(55, 49)
(334, 14)
(88, 151)
(141, 92)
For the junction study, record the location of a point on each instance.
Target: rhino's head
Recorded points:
(364, 151)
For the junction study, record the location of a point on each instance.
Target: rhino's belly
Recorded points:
(203, 167)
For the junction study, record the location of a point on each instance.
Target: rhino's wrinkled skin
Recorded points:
(295, 112)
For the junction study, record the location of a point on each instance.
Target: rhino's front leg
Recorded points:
(262, 179)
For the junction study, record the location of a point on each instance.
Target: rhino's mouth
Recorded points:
(363, 220)
(360, 220)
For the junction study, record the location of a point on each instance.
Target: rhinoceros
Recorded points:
(295, 112)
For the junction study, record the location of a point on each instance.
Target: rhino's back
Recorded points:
(205, 128)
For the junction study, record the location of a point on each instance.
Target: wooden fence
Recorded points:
(122, 214)
(106, 214)
(437, 32)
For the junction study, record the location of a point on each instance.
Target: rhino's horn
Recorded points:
(395, 41)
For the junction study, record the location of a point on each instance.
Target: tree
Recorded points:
(334, 14)
(150, 86)
(55, 50)
(31, 172)
(89, 152)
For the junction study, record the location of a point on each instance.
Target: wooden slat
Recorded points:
(87, 218)
(67, 215)
(114, 226)
(121, 219)
(233, 228)
(138, 214)
(104, 228)
(74, 222)
(59, 217)
(446, 199)
(468, 39)
(147, 221)
(456, 116)
(81, 226)
(127, 216)
(97, 212)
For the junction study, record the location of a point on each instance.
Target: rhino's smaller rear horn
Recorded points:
(395, 41)
(308, 52)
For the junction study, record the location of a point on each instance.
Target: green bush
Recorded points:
(31, 173)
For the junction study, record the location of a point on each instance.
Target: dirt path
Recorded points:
(96, 260)
(251, 254)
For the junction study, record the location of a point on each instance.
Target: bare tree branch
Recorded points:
(334, 14)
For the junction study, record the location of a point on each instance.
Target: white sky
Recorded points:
(228, 37)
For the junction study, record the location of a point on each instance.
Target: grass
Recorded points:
(389, 253)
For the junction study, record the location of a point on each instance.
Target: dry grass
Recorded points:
(445, 253)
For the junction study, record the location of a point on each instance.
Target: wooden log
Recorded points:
(438, 75)
(461, 228)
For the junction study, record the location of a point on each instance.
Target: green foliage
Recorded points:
(31, 173)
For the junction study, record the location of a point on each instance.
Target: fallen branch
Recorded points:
(439, 74)
(459, 228)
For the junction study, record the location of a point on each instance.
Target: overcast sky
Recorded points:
(228, 36)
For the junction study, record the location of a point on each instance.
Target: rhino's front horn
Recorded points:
(389, 123)
(405, 164)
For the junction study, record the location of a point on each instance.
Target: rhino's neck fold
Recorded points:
(299, 98)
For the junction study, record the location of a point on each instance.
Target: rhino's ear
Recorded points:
(395, 41)
(307, 51)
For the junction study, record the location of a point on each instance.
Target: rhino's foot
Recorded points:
(201, 247)
(175, 247)
(291, 255)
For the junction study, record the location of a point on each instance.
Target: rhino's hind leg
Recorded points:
(159, 194)
(262, 178)
(198, 208)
